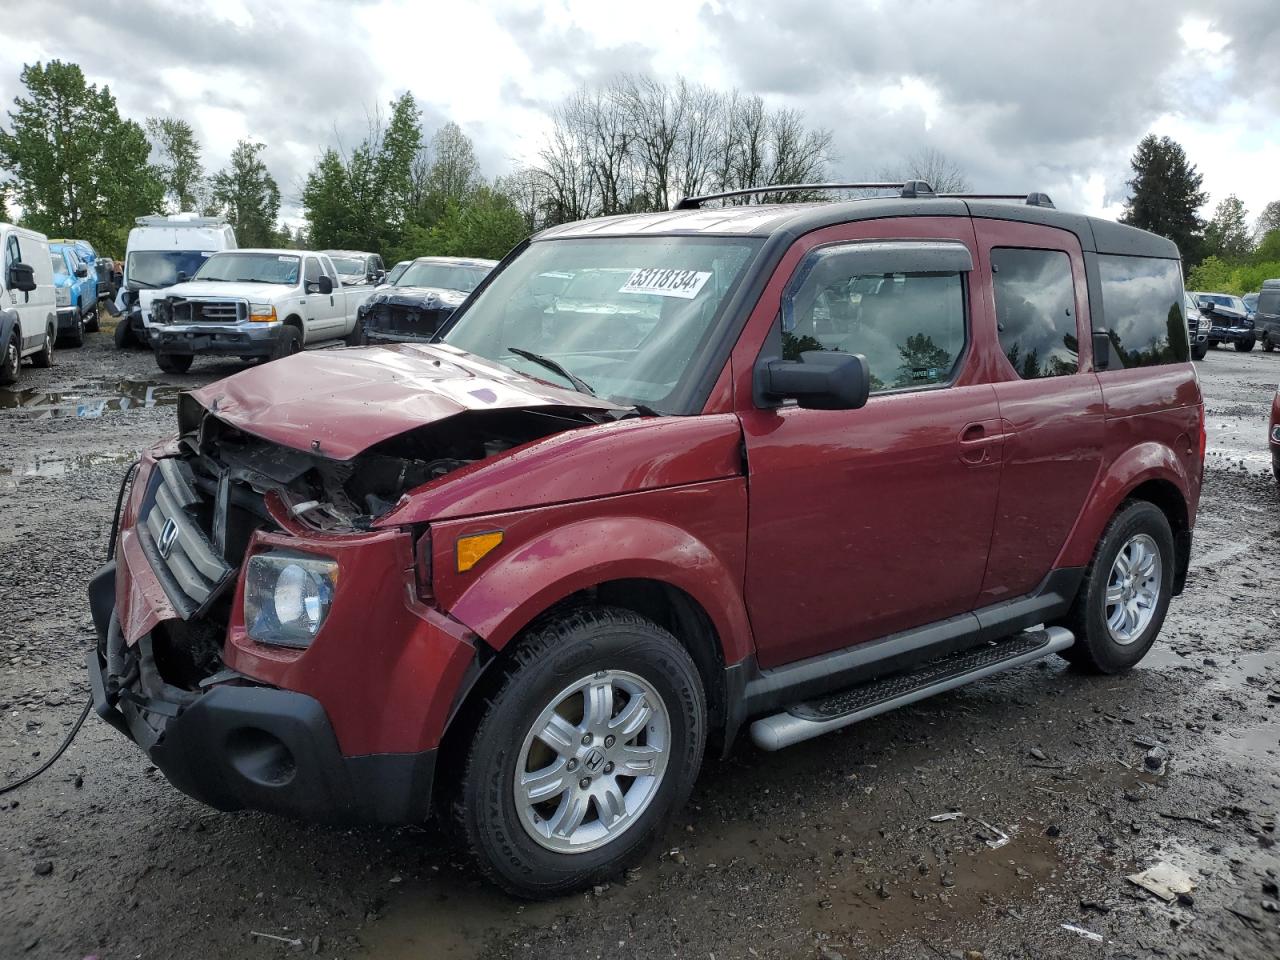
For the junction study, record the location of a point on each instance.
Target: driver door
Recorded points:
(324, 309)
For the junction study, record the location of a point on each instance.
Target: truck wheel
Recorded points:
(589, 743)
(10, 360)
(91, 324)
(1244, 346)
(75, 336)
(1199, 350)
(1126, 590)
(289, 343)
(44, 359)
(356, 337)
(1267, 343)
(123, 334)
(174, 362)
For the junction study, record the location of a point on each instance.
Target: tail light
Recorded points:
(422, 566)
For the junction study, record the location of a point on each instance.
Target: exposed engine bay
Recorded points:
(347, 495)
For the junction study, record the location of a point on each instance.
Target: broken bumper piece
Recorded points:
(241, 745)
(247, 340)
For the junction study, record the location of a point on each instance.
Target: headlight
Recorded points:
(287, 596)
(262, 312)
(62, 296)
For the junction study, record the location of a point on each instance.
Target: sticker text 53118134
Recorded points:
(666, 282)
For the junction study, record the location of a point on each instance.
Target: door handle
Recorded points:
(979, 442)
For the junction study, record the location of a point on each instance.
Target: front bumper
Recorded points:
(241, 339)
(240, 744)
(1231, 334)
(66, 319)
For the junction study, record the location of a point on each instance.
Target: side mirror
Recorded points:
(324, 285)
(1101, 350)
(22, 277)
(182, 276)
(819, 380)
(82, 271)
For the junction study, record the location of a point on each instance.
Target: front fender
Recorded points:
(1136, 466)
(691, 537)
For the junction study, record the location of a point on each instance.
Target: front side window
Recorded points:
(909, 325)
(1142, 301)
(12, 254)
(1035, 311)
(251, 268)
(637, 328)
(313, 271)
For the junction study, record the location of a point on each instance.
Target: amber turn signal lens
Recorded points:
(472, 549)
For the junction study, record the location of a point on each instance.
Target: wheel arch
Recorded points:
(295, 321)
(1151, 472)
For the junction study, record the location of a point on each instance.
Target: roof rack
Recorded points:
(909, 189)
(1030, 199)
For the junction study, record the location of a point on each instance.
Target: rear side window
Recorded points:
(1142, 306)
(1036, 311)
(909, 326)
(1269, 302)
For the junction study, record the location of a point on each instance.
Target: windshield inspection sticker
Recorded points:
(666, 283)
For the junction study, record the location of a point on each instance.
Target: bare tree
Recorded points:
(931, 165)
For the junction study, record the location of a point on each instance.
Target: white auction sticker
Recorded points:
(666, 282)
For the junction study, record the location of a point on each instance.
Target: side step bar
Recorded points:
(816, 717)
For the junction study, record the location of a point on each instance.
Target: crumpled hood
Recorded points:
(222, 288)
(430, 298)
(339, 403)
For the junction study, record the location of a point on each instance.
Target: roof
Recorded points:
(347, 253)
(763, 220)
(457, 261)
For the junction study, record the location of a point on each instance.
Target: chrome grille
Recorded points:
(217, 311)
(183, 557)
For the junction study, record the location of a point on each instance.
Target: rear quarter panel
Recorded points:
(1152, 433)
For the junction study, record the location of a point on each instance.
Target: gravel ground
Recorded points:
(825, 850)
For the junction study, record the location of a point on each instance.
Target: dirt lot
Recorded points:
(825, 850)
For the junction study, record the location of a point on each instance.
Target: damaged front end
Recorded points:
(402, 315)
(192, 663)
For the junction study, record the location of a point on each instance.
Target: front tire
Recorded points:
(91, 325)
(290, 342)
(1244, 346)
(10, 360)
(174, 362)
(75, 336)
(1267, 343)
(1199, 350)
(592, 738)
(1125, 595)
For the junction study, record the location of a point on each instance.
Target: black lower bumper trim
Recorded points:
(231, 343)
(261, 748)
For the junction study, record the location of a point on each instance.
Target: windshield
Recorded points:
(444, 276)
(1221, 300)
(397, 271)
(628, 315)
(59, 264)
(160, 268)
(349, 266)
(250, 268)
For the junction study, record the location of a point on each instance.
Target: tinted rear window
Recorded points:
(1142, 305)
(1035, 311)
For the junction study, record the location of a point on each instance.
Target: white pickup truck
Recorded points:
(253, 304)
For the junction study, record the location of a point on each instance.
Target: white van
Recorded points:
(28, 312)
(162, 251)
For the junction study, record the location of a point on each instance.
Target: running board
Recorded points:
(816, 717)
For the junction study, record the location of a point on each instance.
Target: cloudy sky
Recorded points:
(1022, 95)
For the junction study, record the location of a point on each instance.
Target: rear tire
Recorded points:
(1121, 605)
(575, 677)
(10, 360)
(174, 362)
(44, 359)
(1244, 346)
(1267, 343)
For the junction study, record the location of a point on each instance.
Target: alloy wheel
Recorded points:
(1133, 589)
(592, 761)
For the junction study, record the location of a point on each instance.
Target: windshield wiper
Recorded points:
(555, 367)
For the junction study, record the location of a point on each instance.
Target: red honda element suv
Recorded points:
(662, 479)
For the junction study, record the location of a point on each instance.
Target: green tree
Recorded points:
(451, 175)
(1268, 220)
(364, 201)
(1166, 195)
(78, 168)
(179, 167)
(486, 224)
(247, 195)
(4, 209)
(1227, 235)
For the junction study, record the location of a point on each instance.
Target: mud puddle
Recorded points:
(87, 400)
